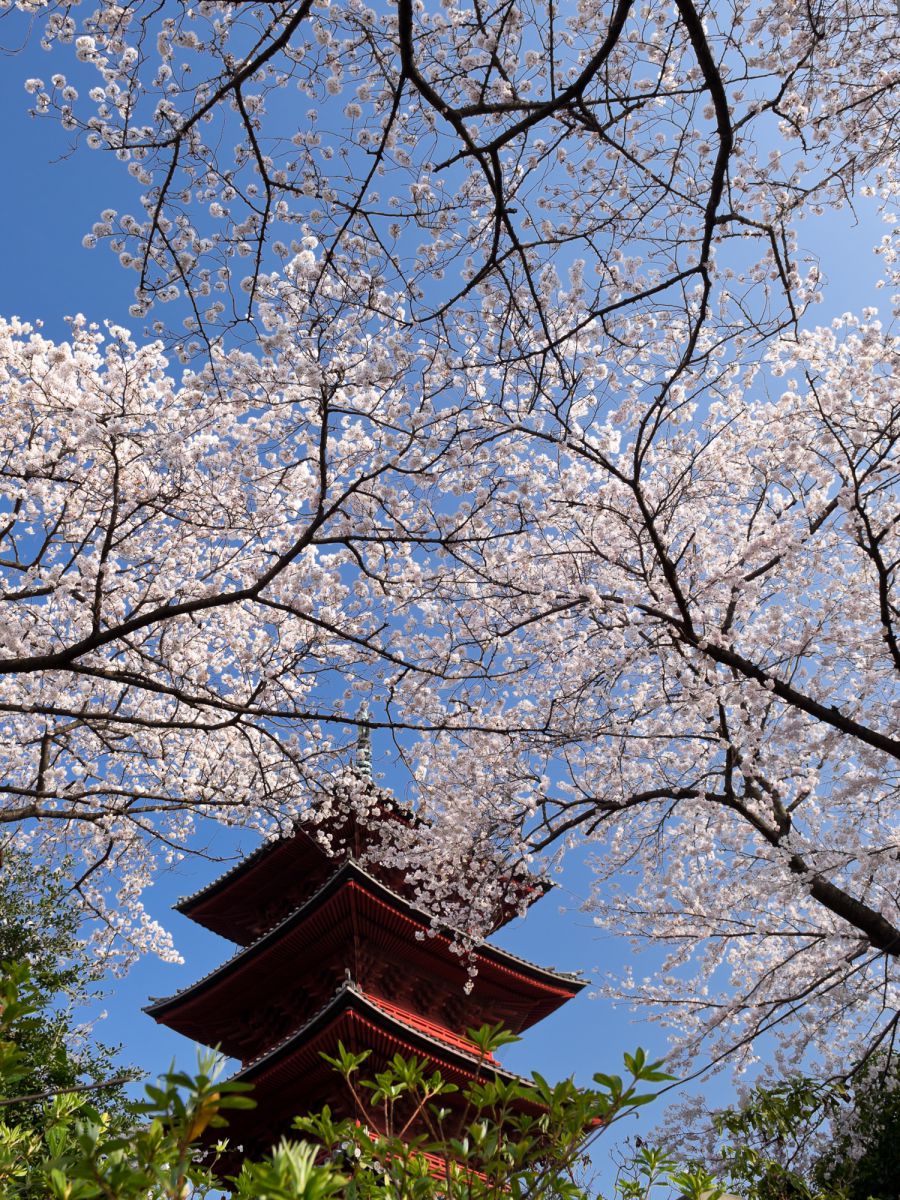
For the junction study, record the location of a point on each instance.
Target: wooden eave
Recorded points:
(214, 1009)
(291, 866)
(230, 905)
(445, 1050)
(280, 874)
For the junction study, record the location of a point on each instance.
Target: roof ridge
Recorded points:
(350, 987)
(426, 1024)
(574, 976)
(345, 986)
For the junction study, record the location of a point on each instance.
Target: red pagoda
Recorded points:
(333, 948)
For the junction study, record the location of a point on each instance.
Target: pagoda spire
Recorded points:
(363, 763)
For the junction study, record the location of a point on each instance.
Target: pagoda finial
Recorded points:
(364, 742)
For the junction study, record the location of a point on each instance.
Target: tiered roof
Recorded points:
(293, 1077)
(334, 948)
(355, 926)
(277, 877)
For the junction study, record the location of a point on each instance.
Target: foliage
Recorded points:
(765, 1147)
(413, 1136)
(862, 1160)
(48, 966)
(802, 1139)
(77, 1145)
(515, 419)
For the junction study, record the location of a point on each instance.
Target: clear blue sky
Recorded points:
(49, 201)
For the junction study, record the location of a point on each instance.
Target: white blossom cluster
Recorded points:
(662, 151)
(697, 666)
(194, 577)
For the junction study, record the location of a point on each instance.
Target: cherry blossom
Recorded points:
(195, 575)
(513, 416)
(693, 642)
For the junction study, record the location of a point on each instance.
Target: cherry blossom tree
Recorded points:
(464, 155)
(700, 629)
(510, 412)
(195, 574)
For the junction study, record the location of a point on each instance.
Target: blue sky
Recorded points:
(49, 201)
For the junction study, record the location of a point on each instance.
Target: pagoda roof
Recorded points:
(231, 905)
(307, 826)
(441, 1046)
(286, 867)
(292, 1078)
(209, 1009)
(184, 903)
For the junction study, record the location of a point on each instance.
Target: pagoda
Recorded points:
(333, 947)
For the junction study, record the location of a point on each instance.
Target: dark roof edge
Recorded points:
(249, 952)
(184, 903)
(351, 868)
(349, 996)
(303, 826)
